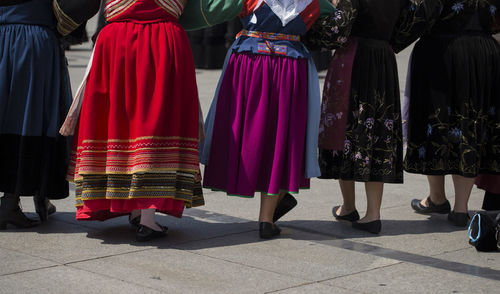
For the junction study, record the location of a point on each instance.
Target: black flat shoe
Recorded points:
(459, 219)
(16, 218)
(431, 208)
(44, 208)
(284, 206)
(145, 234)
(351, 217)
(268, 230)
(373, 227)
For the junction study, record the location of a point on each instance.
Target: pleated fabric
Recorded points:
(35, 95)
(455, 107)
(136, 145)
(260, 127)
(372, 149)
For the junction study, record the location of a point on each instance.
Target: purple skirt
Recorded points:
(259, 130)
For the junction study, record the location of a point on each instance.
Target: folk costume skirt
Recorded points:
(454, 114)
(35, 96)
(372, 147)
(259, 133)
(136, 145)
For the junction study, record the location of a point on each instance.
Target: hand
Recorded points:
(335, 2)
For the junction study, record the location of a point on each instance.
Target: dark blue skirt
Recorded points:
(35, 95)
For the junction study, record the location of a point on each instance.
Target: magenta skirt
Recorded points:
(259, 134)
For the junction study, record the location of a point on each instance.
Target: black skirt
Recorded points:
(454, 118)
(373, 149)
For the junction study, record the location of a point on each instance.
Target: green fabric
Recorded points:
(326, 7)
(200, 14)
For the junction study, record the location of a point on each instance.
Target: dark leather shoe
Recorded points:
(145, 234)
(268, 230)
(17, 219)
(431, 208)
(284, 206)
(351, 217)
(459, 219)
(44, 208)
(11, 213)
(373, 227)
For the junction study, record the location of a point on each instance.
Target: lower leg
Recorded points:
(268, 205)
(135, 213)
(436, 190)
(349, 197)
(463, 187)
(148, 219)
(374, 192)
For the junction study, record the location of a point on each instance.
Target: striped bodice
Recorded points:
(114, 8)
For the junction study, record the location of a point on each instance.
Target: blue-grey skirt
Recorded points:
(35, 95)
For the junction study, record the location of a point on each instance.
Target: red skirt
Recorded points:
(136, 144)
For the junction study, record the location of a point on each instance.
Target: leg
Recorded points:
(43, 207)
(268, 205)
(436, 190)
(349, 198)
(135, 218)
(148, 219)
(491, 201)
(149, 229)
(463, 188)
(374, 192)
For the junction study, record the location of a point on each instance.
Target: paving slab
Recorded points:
(176, 271)
(295, 253)
(15, 262)
(470, 256)
(64, 243)
(64, 279)
(316, 288)
(409, 278)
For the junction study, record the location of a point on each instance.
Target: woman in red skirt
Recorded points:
(135, 149)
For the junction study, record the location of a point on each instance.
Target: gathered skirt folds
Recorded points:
(454, 115)
(136, 144)
(35, 95)
(259, 133)
(373, 148)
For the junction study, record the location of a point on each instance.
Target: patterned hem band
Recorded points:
(268, 36)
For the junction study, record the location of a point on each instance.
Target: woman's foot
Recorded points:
(43, 207)
(373, 227)
(341, 214)
(134, 219)
(284, 206)
(426, 206)
(268, 230)
(11, 214)
(145, 233)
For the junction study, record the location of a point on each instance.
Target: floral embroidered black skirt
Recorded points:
(373, 149)
(454, 120)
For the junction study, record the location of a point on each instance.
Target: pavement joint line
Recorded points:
(360, 272)
(430, 261)
(115, 278)
(393, 254)
(206, 239)
(31, 270)
(248, 266)
(108, 256)
(312, 283)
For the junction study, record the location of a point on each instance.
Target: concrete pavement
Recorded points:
(215, 248)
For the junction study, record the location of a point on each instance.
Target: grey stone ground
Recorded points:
(215, 248)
